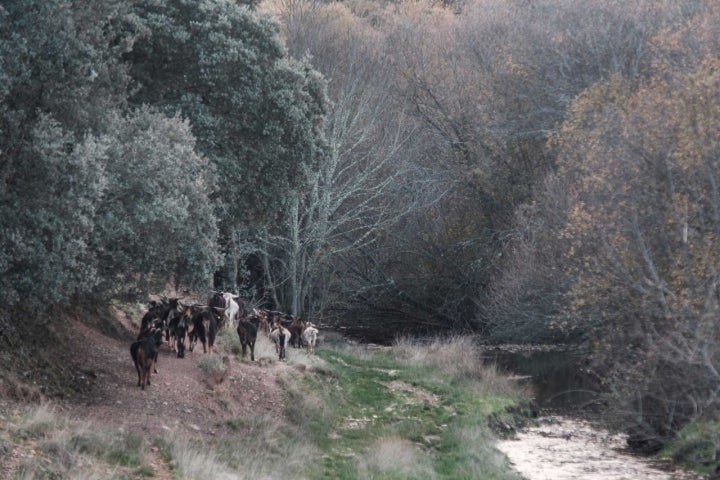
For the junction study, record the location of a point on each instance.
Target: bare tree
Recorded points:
(359, 192)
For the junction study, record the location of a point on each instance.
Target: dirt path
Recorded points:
(180, 399)
(565, 449)
(183, 401)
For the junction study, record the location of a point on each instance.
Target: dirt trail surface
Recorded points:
(181, 397)
(183, 400)
(565, 449)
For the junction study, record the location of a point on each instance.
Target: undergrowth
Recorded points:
(696, 446)
(403, 413)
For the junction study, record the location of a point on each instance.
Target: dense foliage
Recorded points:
(256, 113)
(133, 134)
(642, 228)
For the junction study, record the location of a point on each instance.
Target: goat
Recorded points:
(263, 320)
(259, 319)
(232, 310)
(184, 326)
(296, 327)
(144, 354)
(219, 307)
(280, 335)
(309, 336)
(163, 310)
(171, 328)
(151, 330)
(248, 335)
(204, 328)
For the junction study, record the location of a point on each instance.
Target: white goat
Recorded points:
(232, 309)
(309, 336)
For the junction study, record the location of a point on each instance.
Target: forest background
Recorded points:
(540, 171)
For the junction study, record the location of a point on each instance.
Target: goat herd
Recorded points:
(176, 323)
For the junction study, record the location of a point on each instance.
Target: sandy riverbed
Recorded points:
(565, 449)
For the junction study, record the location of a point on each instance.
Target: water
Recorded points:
(560, 448)
(569, 441)
(560, 380)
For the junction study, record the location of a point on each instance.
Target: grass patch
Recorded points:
(112, 446)
(696, 446)
(395, 458)
(54, 447)
(145, 471)
(229, 342)
(211, 364)
(194, 460)
(37, 423)
(407, 412)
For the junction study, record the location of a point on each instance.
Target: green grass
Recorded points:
(403, 414)
(696, 446)
(211, 364)
(228, 341)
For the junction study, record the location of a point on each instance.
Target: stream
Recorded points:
(569, 441)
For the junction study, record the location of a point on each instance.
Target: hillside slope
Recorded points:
(183, 400)
(351, 412)
(182, 396)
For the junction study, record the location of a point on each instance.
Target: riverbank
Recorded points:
(569, 440)
(559, 448)
(348, 412)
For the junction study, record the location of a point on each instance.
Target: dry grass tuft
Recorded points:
(193, 461)
(270, 448)
(12, 387)
(52, 446)
(395, 455)
(265, 451)
(38, 422)
(458, 356)
(216, 369)
(483, 459)
(303, 405)
(228, 341)
(264, 347)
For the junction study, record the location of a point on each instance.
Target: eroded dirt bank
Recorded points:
(567, 449)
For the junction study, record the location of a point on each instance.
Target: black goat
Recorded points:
(247, 332)
(151, 330)
(218, 305)
(204, 328)
(183, 326)
(144, 353)
(163, 310)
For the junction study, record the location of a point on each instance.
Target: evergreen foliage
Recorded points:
(104, 195)
(51, 186)
(62, 75)
(256, 113)
(155, 221)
